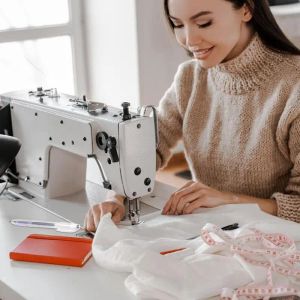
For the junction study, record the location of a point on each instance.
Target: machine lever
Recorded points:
(111, 145)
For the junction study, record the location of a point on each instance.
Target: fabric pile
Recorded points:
(250, 261)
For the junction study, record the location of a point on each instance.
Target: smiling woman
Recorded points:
(236, 107)
(212, 24)
(208, 23)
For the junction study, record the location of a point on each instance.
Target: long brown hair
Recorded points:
(263, 22)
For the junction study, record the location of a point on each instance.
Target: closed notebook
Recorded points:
(50, 249)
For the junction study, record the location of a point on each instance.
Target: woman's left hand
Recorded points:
(194, 195)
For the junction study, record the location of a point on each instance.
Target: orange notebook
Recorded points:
(51, 249)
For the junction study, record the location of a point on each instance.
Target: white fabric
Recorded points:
(199, 271)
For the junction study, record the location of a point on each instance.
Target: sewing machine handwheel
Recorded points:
(101, 140)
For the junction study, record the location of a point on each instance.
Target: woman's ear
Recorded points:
(247, 11)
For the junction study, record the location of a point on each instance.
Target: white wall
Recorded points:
(159, 53)
(288, 17)
(111, 50)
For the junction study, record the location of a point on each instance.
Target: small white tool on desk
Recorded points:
(58, 226)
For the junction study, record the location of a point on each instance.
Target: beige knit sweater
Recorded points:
(240, 125)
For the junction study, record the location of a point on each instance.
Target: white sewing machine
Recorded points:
(59, 132)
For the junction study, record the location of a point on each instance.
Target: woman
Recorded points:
(236, 106)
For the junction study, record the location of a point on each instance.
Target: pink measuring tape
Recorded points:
(276, 252)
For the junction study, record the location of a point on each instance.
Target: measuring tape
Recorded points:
(276, 252)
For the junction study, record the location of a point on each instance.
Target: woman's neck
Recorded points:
(250, 69)
(247, 34)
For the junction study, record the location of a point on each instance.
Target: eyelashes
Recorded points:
(205, 25)
(177, 26)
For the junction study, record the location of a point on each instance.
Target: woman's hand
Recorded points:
(114, 205)
(194, 195)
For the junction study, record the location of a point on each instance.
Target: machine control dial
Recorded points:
(101, 140)
(107, 144)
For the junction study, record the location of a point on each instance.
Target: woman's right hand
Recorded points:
(114, 205)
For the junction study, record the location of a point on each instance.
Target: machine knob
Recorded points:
(101, 140)
(126, 114)
(111, 145)
(40, 92)
(106, 143)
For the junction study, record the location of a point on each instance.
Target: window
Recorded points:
(40, 45)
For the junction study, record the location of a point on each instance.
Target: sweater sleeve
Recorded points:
(289, 202)
(171, 112)
(169, 126)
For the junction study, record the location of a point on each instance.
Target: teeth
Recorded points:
(201, 51)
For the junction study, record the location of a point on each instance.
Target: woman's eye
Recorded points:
(207, 24)
(177, 25)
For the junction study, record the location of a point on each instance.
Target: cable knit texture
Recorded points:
(240, 125)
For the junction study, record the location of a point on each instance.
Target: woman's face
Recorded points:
(213, 30)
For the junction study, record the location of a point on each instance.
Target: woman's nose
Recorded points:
(192, 37)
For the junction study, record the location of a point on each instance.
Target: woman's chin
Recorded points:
(207, 64)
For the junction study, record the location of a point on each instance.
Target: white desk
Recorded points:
(32, 281)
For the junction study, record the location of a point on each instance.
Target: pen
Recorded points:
(225, 228)
(59, 226)
(231, 226)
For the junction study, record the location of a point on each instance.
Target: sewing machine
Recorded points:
(59, 132)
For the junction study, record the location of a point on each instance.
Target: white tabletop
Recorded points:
(33, 281)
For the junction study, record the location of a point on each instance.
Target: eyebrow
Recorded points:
(199, 14)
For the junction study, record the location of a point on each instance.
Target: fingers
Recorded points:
(89, 222)
(179, 197)
(181, 194)
(168, 204)
(186, 200)
(95, 213)
(188, 209)
(118, 215)
(107, 207)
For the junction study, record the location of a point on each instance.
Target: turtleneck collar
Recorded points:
(247, 71)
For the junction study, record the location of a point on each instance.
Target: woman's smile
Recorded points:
(202, 53)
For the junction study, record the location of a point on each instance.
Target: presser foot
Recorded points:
(134, 218)
(134, 211)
